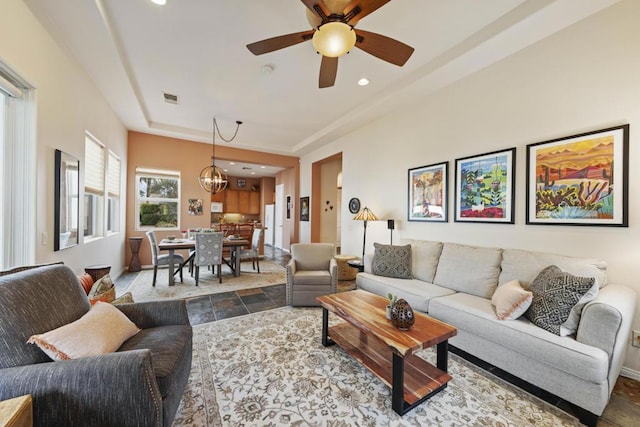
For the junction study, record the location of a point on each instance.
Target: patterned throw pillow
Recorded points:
(558, 299)
(392, 261)
(102, 290)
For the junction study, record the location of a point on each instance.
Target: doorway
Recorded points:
(279, 217)
(326, 200)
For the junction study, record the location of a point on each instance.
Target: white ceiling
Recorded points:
(135, 50)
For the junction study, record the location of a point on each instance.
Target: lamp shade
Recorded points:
(365, 215)
(334, 39)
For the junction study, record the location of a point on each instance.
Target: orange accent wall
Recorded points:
(188, 158)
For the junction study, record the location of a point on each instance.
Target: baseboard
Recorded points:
(630, 373)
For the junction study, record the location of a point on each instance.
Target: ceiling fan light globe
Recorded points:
(334, 39)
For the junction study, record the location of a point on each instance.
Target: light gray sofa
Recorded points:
(454, 283)
(139, 385)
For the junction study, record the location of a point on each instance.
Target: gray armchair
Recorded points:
(139, 385)
(311, 272)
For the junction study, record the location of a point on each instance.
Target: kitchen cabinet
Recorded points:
(238, 201)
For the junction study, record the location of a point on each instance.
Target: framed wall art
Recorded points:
(304, 208)
(67, 207)
(579, 180)
(195, 207)
(485, 187)
(428, 193)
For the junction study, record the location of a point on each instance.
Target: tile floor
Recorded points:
(623, 409)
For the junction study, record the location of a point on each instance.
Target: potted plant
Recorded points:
(392, 302)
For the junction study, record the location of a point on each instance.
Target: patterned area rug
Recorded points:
(270, 369)
(271, 273)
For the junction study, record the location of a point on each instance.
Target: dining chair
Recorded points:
(158, 260)
(254, 253)
(208, 252)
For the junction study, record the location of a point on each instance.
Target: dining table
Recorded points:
(190, 244)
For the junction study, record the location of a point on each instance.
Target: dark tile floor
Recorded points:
(623, 409)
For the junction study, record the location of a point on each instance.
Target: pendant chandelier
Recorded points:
(212, 178)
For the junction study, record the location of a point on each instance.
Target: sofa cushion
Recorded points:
(102, 330)
(170, 346)
(525, 266)
(392, 261)
(476, 316)
(102, 290)
(558, 299)
(469, 269)
(416, 292)
(312, 277)
(424, 255)
(511, 301)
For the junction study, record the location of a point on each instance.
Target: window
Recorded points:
(113, 194)
(93, 187)
(158, 199)
(17, 171)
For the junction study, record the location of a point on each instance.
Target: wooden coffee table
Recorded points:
(386, 351)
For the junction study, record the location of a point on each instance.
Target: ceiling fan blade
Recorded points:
(358, 9)
(317, 7)
(383, 47)
(328, 71)
(280, 42)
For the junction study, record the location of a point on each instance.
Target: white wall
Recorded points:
(68, 104)
(581, 79)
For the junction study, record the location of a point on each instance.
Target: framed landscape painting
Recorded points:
(580, 179)
(485, 187)
(428, 193)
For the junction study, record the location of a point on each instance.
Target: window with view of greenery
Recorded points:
(158, 199)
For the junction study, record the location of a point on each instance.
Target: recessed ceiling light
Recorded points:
(263, 167)
(160, 2)
(363, 81)
(232, 163)
(253, 173)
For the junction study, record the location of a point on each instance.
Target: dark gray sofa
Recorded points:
(139, 385)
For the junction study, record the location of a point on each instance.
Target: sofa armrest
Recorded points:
(107, 390)
(156, 313)
(291, 271)
(367, 262)
(606, 322)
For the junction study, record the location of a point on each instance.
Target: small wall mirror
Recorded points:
(67, 209)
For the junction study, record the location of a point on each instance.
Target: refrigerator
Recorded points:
(270, 224)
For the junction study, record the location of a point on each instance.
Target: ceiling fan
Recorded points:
(333, 35)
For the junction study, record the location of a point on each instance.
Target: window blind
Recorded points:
(113, 175)
(93, 166)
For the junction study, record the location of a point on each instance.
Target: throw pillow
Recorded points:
(558, 299)
(86, 281)
(511, 301)
(101, 330)
(126, 298)
(392, 261)
(102, 290)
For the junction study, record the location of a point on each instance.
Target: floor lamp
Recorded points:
(365, 215)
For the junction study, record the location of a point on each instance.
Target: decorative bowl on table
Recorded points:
(171, 238)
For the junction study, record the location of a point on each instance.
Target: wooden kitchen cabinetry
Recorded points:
(238, 201)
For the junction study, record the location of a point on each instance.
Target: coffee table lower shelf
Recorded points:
(412, 380)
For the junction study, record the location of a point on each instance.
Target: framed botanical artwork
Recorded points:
(195, 206)
(485, 187)
(580, 180)
(428, 193)
(304, 208)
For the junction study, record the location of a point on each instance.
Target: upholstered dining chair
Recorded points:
(254, 252)
(158, 260)
(208, 253)
(311, 272)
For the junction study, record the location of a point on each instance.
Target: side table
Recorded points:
(17, 412)
(134, 244)
(357, 264)
(97, 271)
(345, 271)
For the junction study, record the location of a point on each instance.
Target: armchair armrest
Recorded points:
(107, 390)
(333, 268)
(156, 313)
